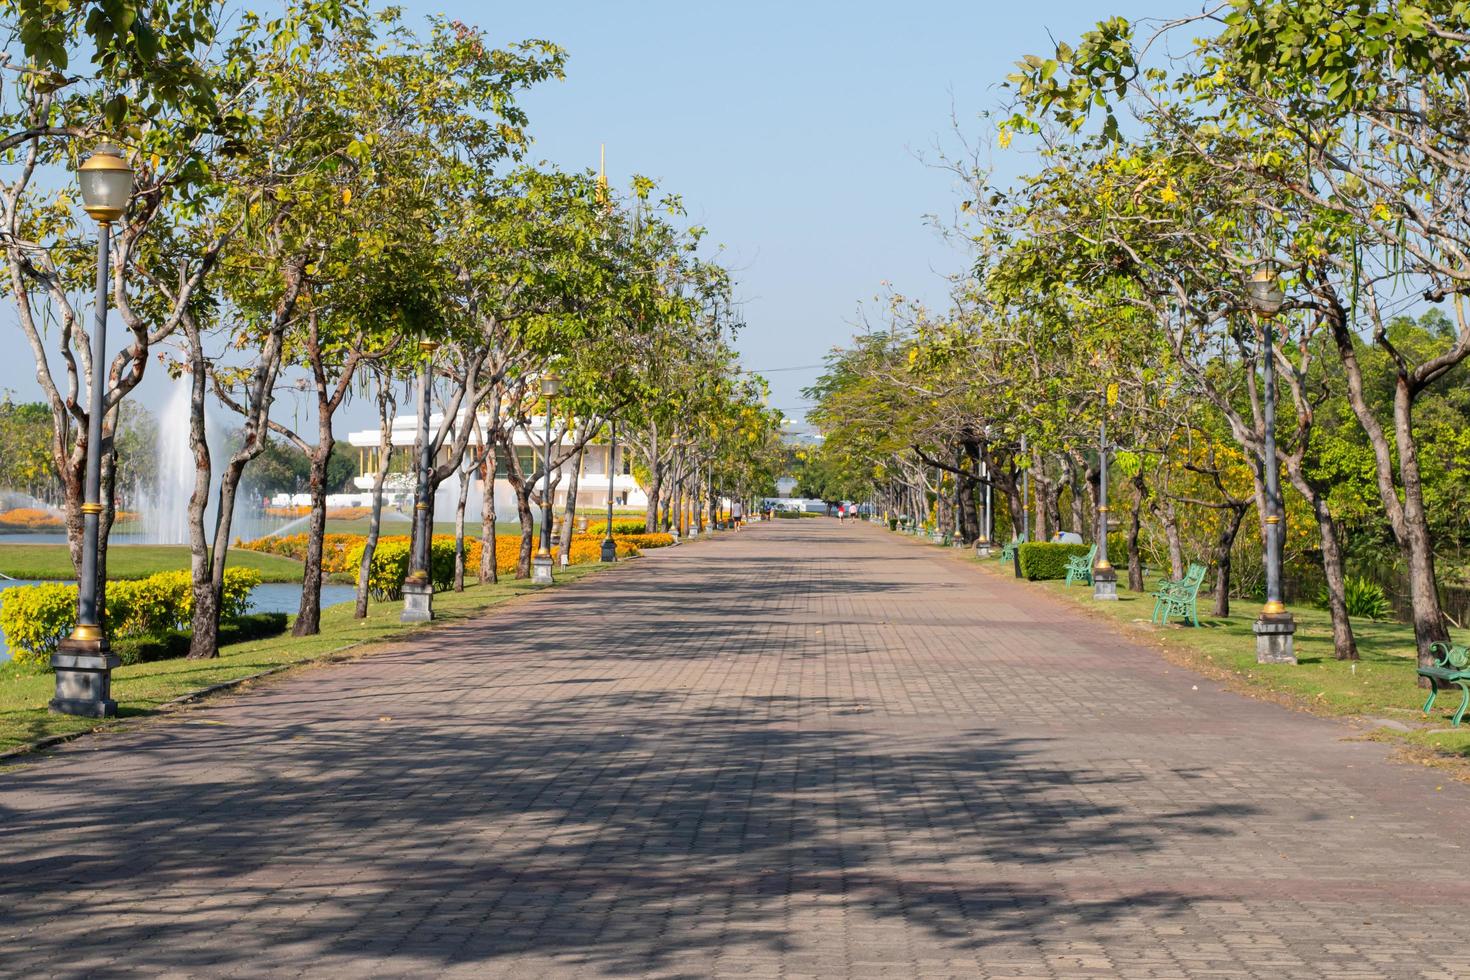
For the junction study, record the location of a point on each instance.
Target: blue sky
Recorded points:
(792, 130)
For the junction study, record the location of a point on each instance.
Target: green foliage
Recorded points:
(390, 562)
(35, 618)
(1365, 599)
(630, 526)
(173, 644)
(1044, 560)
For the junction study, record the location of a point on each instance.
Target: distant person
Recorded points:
(737, 511)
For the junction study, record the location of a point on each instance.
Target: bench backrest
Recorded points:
(1450, 655)
(1194, 576)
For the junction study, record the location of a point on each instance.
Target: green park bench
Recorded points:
(1451, 666)
(1080, 566)
(1008, 553)
(1178, 597)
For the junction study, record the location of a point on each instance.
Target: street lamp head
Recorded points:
(428, 347)
(107, 183)
(1264, 290)
(550, 384)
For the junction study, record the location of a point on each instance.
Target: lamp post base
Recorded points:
(609, 550)
(982, 549)
(84, 679)
(541, 570)
(418, 603)
(1275, 639)
(1105, 587)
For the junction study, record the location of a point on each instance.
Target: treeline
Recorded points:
(1126, 280)
(326, 200)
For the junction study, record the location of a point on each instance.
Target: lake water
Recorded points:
(268, 597)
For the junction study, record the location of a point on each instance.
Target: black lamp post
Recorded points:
(541, 565)
(84, 661)
(418, 587)
(609, 546)
(1275, 628)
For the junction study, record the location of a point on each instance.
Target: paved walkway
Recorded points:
(803, 750)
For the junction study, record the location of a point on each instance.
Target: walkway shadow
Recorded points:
(632, 829)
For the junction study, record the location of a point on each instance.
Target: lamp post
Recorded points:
(541, 565)
(1104, 576)
(418, 587)
(609, 546)
(84, 660)
(1275, 628)
(1025, 507)
(982, 546)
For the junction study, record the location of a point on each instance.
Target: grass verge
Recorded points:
(1381, 685)
(142, 688)
(53, 561)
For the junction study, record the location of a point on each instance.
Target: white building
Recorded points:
(592, 486)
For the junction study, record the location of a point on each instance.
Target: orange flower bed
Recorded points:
(30, 518)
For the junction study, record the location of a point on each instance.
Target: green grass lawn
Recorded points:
(53, 561)
(1380, 685)
(140, 689)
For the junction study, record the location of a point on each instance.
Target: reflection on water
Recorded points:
(268, 597)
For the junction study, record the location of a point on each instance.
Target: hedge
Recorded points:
(1044, 560)
(174, 644)
(36, 618)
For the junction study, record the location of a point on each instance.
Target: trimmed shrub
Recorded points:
(36, 618)
(629, 526)
(1044, 560)
(390, 564)
(175, 643)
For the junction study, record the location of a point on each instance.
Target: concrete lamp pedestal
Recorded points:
(418, 602)
(1105, 584)
(1275, 638)
(541, 570)
(609, 550)
(982, 548)
(84, 679)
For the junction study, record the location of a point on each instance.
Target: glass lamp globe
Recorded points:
(550, 384)
(106, 183)
(1265, 292)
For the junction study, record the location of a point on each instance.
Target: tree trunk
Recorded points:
(1076, 480)
(203, 634)
(1406, 516)
(1231, 518)
(569, 512)
(1135, 524)
(488, 570)
(1169, 517)
(465, 478)
(309, 611)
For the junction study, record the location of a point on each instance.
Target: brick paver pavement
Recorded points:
(804, 750)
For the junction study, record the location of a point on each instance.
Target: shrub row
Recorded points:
(36, 618)
(628, 526)
(174, 644)
(1044, 560)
